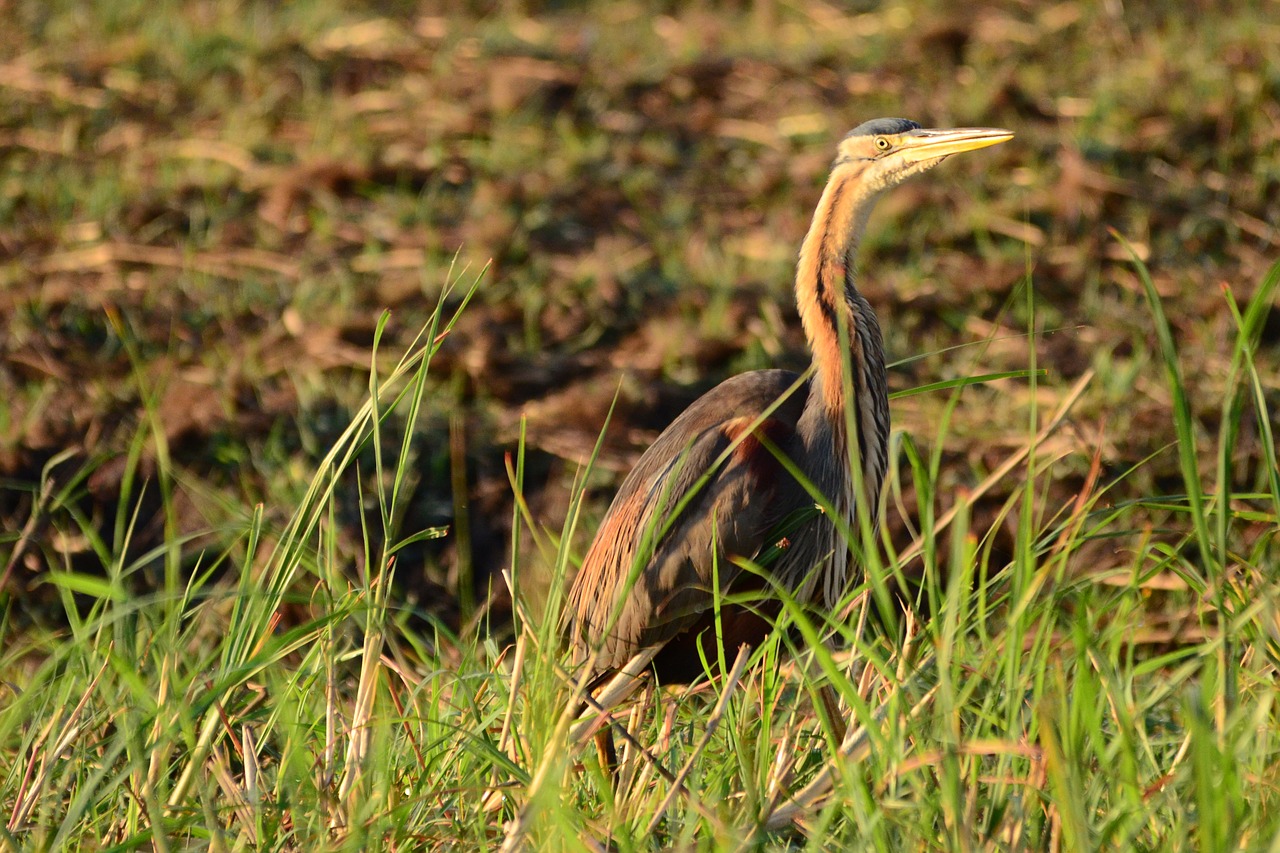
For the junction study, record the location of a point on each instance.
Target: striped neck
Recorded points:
(829, 303)
(825, 289)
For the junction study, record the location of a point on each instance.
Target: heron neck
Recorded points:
(826, 292)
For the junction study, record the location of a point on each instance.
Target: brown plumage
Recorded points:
(711, 491)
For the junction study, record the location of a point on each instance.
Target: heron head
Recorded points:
(890, 150)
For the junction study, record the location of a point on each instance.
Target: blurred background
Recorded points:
(206, 206)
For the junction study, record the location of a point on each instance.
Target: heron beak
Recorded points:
(920, 145)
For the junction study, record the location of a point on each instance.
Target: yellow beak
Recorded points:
(928, 144)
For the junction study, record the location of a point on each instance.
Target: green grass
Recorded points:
(272, 698)
(240, 502)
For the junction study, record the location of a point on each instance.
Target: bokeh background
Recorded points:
(206, 206)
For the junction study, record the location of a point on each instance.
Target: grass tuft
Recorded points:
(278, 701)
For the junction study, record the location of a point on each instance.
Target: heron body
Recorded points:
(712, 491)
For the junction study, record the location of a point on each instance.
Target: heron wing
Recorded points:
(694, 501)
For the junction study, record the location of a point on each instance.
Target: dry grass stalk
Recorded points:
(713, 723)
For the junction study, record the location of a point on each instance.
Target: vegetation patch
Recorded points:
(313, 316)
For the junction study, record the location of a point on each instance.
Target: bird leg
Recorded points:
(829, 699)
(830, 702)
(607, 751)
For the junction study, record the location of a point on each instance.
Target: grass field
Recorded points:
(312, 314)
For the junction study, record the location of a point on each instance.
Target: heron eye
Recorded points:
(883, 144)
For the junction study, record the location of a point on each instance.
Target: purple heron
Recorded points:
(713, 490)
